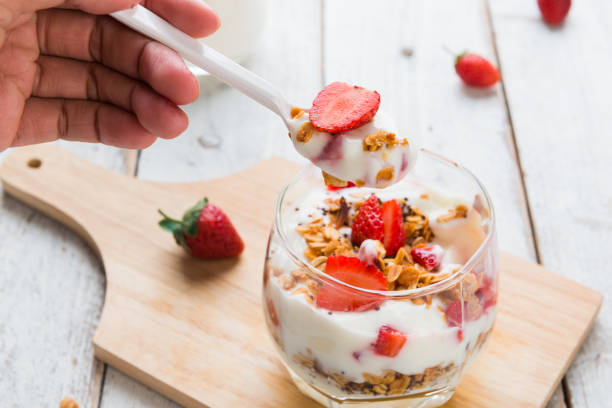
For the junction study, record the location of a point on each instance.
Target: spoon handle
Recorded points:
(218, 65)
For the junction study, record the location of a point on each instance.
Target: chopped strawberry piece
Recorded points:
(332, 151)
(389, 341)
(340, 107)
(405, 163)
(487, 295)
(394, 235)
(460, 335)
(368, 223)
(336, 188)
(368, 252)
(429, 256)
(351, 270)
(475, 70)
(453, 314)
(356, 355)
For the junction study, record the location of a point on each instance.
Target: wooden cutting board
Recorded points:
(194, 331)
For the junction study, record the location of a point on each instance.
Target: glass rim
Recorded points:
(406, 293)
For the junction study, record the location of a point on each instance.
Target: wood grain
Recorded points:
(558, 83)
(51, 294)
(193, 329)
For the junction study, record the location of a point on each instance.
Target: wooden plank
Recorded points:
(398, 48)
(194, 330)
(51, 295)
(289, 56)
(559, 83)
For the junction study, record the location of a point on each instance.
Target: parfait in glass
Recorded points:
(382, 297)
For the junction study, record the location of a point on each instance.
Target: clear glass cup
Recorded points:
(328, 354)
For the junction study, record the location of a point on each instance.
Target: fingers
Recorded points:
(77, 35)
(65, 78)
(45, 120)
(11, 106)
(194, 17)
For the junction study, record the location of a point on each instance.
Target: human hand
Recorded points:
(67, 71)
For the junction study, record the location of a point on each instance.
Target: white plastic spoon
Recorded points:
(218, 65)
(340, 155)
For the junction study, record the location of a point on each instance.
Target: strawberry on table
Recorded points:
(368, 223)
(475, 70)
(393, 225)
(389, 341)
(554, 11)
(340, 107)
(351, 270)
(205, 231)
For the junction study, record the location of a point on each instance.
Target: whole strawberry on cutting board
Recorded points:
(205, 231)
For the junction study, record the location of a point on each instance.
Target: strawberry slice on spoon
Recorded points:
(340, 107)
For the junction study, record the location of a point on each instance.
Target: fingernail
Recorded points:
(214, 12)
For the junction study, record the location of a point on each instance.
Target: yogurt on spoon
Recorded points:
(346, 136)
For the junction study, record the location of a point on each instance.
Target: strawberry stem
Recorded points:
(188, 226)
(455, 54)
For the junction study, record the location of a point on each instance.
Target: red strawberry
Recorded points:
(393, 225)
(205, 232)
(429, 256)
(487, 294)
(368, 223)
(351, 270)
(453, 313)
(336, 188)
(340, 107)
(389, 341)
(554, 11)
(474, 70)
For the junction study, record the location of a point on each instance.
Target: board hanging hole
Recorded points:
(34, 163)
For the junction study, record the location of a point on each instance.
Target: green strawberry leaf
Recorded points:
(170, 224)
(191, 217)
(458, 57)
(188, 226)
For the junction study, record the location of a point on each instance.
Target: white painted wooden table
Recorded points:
(541, 141)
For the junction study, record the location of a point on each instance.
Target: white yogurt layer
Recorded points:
(342, 155)
(341, 342)
(335, 339)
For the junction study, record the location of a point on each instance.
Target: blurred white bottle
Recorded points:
(242, 24)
